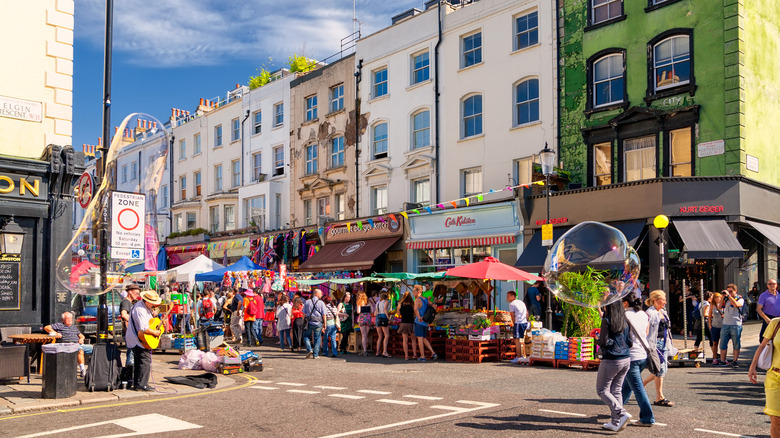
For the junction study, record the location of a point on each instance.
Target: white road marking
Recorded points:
(262, 381)
(368, 391)
(348, 396)
(334, 388)
(291, 384)
(449, 408)
(139, 425)
(476, 403)
(423, 397)
(397, 402)
(264, 388)
(302, 391)
(655, 424)
(573, 414)
(721, 433)
(416, 420)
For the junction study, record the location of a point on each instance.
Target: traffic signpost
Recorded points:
(127, 225)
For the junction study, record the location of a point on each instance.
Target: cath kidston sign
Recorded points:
(127, 226)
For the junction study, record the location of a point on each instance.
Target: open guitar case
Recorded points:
(105, 368)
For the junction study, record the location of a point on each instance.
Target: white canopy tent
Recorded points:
(198, 265)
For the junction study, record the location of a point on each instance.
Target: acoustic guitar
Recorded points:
(152, 342)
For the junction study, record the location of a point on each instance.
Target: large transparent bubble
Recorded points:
(592, 265)
(78, 264)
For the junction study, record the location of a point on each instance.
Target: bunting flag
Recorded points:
(371, 222)
(467, 201)
(416, 211)
(349, 229)
(360, 225)
(454, 204)
(428, 209)
(392, 216)
(382, 218)
(405, 215)
(439, 205)
(320, 230)
(480, 198)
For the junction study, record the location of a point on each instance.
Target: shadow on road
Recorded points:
(738, 393)
(570, 401)
(526, 422)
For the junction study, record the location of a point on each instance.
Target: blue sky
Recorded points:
(171, 53)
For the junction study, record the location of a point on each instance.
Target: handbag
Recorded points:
(653, 360)
(765, 359)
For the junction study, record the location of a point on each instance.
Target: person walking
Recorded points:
(382, 325)
(298, 324)
(615, 342)
(659, 334)
(332, 327)
(252, 311)
(406, 329)
(260, 316)
(237, 316)
(284, 321)
(345, 309)
(768, 306)
(314, 309)
(519, 314)
(715, 323)
(364, 320)
(732, 326)
(640, 324)
(772, 379)
(421, 327)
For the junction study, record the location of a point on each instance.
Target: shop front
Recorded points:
(721, 230)
(455, 237)
(360, 245)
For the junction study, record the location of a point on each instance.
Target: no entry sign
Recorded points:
(127, 225)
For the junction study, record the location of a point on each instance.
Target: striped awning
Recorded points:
(460, 243)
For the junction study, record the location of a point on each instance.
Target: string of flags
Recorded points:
(460, 202)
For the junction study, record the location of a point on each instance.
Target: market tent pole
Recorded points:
(686, 289)
(703, 325)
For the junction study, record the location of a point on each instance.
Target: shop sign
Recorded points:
(554, 221)
(21, 109)
(18, 186)
(348, 231)
(711, 148)
(128, 211)
(459, 221)
(704, 209)
(488, 220)
(9, 281)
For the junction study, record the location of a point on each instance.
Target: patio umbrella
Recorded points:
(80, 269)
(491, 269)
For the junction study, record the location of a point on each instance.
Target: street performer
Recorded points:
(140, 316)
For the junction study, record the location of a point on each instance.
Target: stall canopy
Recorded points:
(771, 232)
(491, 269)
(708, 239)
(348, 256)
(198, 265)
(80, 269)
(534, 254)
(244, 264)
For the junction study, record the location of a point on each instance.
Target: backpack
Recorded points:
(219, 310)
(254, 309)
(696, 312)
(207, 309)
(744, 311)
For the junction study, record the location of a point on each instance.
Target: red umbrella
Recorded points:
(80, 269)
(491, 269)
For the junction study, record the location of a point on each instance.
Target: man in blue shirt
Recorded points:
(314, 309)
(67, 333)
(534, 297)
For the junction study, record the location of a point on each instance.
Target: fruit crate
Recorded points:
(586, 365)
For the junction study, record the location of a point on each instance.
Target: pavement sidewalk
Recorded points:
(19, 396)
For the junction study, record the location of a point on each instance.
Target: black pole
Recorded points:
(436, 96)
(549, 294)
(358, 78)
(102, 320)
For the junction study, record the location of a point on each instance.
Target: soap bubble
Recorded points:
(592, 265)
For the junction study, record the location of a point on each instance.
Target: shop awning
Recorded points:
(459, 243)
(534, 254)
(347, 256)
(708, 239)
(771, 232)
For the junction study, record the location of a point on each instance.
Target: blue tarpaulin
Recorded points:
(244, 264)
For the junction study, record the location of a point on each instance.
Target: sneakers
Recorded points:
(611, 426)
(715, 362)
(623, 420)
(640, 424)
(435, 356)
(515, 360)
(309, 355)
(734, 364)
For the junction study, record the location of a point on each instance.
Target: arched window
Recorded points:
(608, 80)
(379, 143)
(472, 115)
(421, 129)
(672, 62)
(527, 102)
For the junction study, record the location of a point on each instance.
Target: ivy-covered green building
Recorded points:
(663, 88)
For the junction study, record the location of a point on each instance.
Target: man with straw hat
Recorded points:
(139, 323)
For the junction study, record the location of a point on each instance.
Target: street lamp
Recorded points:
(11, 237)
(661, 222)
(547, 157)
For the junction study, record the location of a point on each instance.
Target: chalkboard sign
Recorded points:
(9, 281)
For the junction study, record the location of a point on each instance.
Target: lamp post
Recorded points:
(547, 158)
(661, 222)
(11, 237)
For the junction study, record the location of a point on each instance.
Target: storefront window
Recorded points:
(433, 260)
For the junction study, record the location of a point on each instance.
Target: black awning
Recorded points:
(356, 255)
(771, 232)
(708, 239)
(534, 254)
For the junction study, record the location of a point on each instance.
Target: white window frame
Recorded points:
(277, 163)
(197, 179)
(424, 70)
(424, 130)
(182, 149)
(339, 206)
(604, 4)
(337, 152)
(415, 194)
(235, 173)
(464, 183)
(278, 114)
(133, 170)
(475, 116)
(323, 206)
(652, 167)
(124, 173)
(532, 32)
(196, 144)
(235, 129)
(476, 50)
(218, 136)
(530, 101)
(374, 142)
(229, 211)
(609, 79)
(257, 166)
(523, 169)
(218, 178)
(214, 216)
(164, 196)
(307, 218)
(257, 122)
(598, 149)
(194, 220)
(337, 98)
(312, 154)
(672, 62)
(311, 107)
(183, 187)
(376, 208)
(379, 89)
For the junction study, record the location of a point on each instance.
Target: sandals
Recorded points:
(386, 355)
(665, 402)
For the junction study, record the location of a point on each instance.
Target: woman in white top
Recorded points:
(382, 315)
(284, 324)
(633, 381)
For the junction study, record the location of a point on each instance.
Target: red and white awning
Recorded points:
(461, 243)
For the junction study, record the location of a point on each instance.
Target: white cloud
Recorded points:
(181, 33)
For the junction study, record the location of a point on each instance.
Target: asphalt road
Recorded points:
(356, 396)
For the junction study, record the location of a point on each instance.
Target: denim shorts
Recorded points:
(715, 336)
(733, 332)
(420, 330)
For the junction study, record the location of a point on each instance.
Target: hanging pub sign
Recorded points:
(9, 282)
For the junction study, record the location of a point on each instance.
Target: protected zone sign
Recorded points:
(127, 225)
